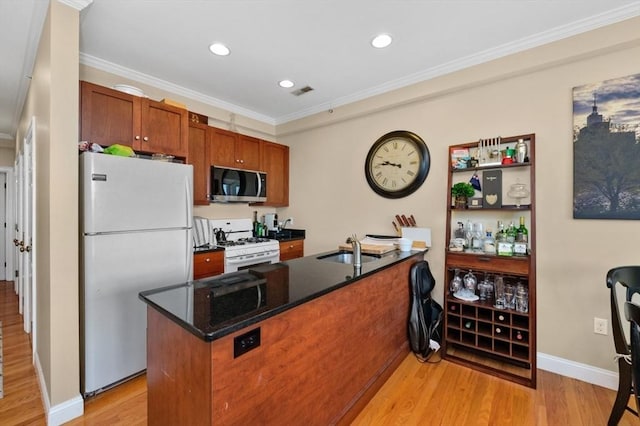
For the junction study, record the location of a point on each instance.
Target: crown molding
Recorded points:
(76, 4)
(558, 33)
(116, 69)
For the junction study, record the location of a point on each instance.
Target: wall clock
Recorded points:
(397, 164)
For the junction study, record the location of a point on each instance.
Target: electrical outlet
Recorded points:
(600, 326)
(290, 221)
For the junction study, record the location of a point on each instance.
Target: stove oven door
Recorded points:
(238, 263)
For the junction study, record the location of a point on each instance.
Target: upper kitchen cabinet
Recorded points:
(231, 149)
(109, 116)
(199, 135)
(275, 162)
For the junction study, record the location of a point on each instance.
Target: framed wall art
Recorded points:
(606, 149)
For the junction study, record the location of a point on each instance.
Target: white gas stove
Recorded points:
(241, 249)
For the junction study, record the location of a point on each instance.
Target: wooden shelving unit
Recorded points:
(501, 342)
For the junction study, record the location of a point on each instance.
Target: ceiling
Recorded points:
(324, 44)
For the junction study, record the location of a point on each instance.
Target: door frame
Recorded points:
(10, 270)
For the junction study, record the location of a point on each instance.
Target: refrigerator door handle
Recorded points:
(189, 255)
(189, 201)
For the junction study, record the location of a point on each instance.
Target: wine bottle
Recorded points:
(522, 238)
(255, 224)
(504, 240)
(523, 233)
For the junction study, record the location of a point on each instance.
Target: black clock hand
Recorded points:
(387, 163)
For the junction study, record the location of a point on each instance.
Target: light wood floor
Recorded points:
(440, 393)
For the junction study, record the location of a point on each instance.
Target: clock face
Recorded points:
(397, 164)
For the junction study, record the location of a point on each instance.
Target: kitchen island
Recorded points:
(307, 341)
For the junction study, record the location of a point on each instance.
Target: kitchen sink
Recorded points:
(347, 257)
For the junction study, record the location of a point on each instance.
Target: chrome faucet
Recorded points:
(357, 251)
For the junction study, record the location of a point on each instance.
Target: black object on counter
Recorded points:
(285, 286)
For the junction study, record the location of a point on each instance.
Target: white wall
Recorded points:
(53, 100)
(529, 92)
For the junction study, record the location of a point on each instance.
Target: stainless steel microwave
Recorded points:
(237, 186)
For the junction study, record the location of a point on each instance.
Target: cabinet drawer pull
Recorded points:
(484, 259)
(207, 260)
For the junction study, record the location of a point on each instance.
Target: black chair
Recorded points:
(629, 278)
(632, 312)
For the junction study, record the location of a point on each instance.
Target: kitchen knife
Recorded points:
(395, 226)
(405, 221)
(399, 219)
(413, 220)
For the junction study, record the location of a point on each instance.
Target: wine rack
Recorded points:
(497, 341)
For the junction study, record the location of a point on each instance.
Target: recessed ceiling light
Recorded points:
(285, 84)
(219, 49)
(382, 40)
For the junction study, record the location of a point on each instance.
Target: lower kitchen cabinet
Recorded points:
(291, 249)
(208, 264)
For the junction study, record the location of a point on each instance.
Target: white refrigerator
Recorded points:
(136, 226)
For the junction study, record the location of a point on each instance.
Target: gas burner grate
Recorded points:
(253, 240)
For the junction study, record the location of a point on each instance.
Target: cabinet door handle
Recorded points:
(484, 259)
(137, 137)
(146, 138)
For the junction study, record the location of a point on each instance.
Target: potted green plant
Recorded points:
(460, 192)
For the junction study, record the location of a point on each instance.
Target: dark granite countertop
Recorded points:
(214, 307)
(288, 234)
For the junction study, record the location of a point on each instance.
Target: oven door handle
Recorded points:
(246, 257)
(259, 296)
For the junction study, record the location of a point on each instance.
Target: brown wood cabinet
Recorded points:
(199, 135)
(208, 264)
(234, 150)
(228, 149)
(275, 162)
(291, 249)
(297, 375)
(108, 116)
(481, 334)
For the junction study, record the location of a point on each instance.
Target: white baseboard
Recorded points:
(576, 370)
(60, 413)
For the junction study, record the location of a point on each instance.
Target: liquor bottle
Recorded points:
(500, 232)
(489, 244)
(503, 242)
(522, 238)
(255, 224)
(511, 233)
(459, 233)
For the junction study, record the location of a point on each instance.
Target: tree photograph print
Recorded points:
(606, 149)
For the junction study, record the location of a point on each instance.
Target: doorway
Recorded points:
(24, 232)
